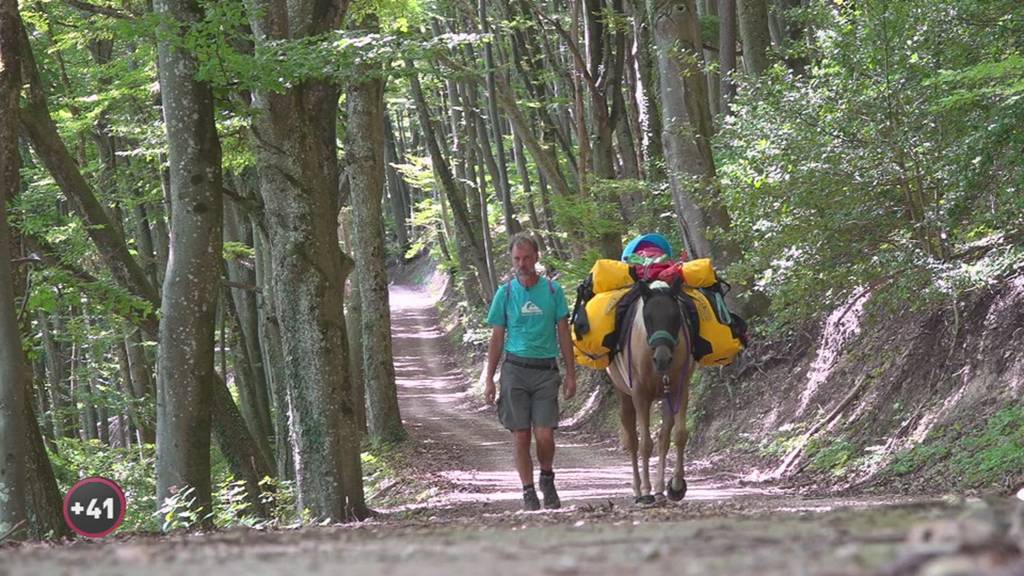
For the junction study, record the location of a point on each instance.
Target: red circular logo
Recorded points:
(94, 507)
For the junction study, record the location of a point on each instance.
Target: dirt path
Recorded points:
(470, 522)
(473, 457)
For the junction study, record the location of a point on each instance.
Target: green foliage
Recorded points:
(133, 469)
(588, 217)
(181, 511)
(981, 459)
(238, 251)
(835, 457)
(895, 151)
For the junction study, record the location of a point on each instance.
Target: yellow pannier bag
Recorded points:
(714, 344)
(609, 274)
(590, 349)
(699, 273)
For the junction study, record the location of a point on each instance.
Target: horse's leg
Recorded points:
(627, 417)
(677, 487)
(643, 409)
(664, 443)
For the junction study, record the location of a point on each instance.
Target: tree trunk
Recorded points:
(13, 427)
(396, 191)
(647, 100)
(793, 33)
(463, 220)
(245, 460)
(502, 184)
(55, 375)
(142, 384)
(727, 50)
(713, 64)
(127, 388)
(36, 122)
(273, 352)
(354, 326)
(295, 141)
(753, 24)
(687, 134)
(185, 372)
(365, 147)
(546, 161)
(255, 403)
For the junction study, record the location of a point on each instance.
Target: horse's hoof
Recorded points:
(647, 500)
(676, 495)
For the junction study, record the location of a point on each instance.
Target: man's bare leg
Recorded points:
(524, 460)
(545, 447)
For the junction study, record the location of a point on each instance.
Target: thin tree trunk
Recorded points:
(646, 99)
(727, 50)
(502, 184)
(544, 158)
(13, 400)
(365, 147)
(396, 191)
(753, 24)
(256, 401)
(463, 220)
(36, 122)
(273, 353)
(354, 325)
(712, 59)
(143, 388)
(245, 460)
(55, 376)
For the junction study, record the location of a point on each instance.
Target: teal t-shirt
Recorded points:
(529, 316)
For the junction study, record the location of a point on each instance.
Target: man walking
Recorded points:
(529, 320)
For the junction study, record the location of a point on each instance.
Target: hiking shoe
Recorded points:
(547, 486)
(530, 501)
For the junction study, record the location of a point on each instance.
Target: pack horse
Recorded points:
(654, 362)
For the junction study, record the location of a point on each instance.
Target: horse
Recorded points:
(654, 361)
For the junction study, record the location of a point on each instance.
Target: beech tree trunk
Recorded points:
(687, 135)
(727, 50)
(295, 141)
(753, 24)
(185, 372)
(365, 147)
(13, 477)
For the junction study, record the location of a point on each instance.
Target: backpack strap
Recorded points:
(508, 294)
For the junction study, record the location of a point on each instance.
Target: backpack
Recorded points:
(599, 309)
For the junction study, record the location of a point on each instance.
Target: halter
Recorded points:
(660, 336)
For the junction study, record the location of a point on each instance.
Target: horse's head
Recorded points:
(663, 321)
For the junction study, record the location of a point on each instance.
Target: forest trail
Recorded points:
(470, 521)
(474, 469)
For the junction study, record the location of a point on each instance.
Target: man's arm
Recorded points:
(493, 354)
(565, 344)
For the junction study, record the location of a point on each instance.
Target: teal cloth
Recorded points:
(529, 317)
(652, 238)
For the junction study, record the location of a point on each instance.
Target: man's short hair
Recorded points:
(523, 239)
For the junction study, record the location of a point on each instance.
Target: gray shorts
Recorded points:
(529, 396)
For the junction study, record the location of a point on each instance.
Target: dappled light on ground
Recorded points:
(472, 454)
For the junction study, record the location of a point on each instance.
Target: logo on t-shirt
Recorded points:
(530, 309)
